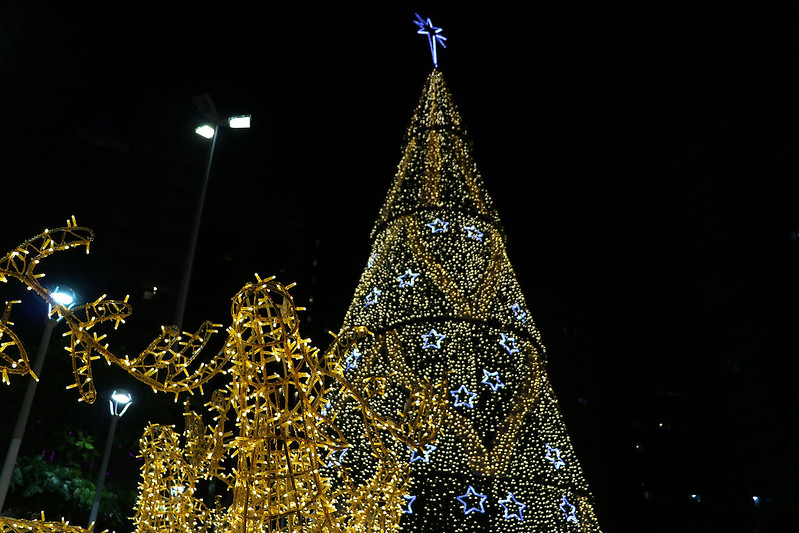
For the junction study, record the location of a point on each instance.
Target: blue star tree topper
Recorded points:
(434, 36)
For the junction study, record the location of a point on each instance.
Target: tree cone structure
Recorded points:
(443, 301)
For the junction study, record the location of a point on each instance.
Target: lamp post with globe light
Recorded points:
(118, 403)
(67, 298)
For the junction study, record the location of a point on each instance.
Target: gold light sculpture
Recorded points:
(272, 443)
(440, 294)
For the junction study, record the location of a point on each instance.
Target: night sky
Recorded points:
(642, 156)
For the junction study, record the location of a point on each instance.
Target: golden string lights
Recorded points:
(273, 444)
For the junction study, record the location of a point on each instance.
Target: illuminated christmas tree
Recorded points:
(442, 299)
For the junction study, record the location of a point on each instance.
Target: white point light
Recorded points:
(63, 298)
(239, 122)
(205, 131)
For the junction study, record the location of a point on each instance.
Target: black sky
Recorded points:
(642, 157)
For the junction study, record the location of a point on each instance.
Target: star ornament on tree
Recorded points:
(409, 500)
(569, 510)
(509, 343)
(518, 312)
(492, 380)
(473, 233)
(553, 455)
(434, 36)
(433, 339)
(407, 279)
(352, 359)
(472, 501)
(513, 507)
(371, 298)
(424, 456)
(332, 460)
(437, 226)
(463, 397)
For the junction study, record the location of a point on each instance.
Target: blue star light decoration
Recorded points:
(438, 226)
(407, 279)
(470, 503)
(332, 460)
(509, 343)
(553, 455)
(409, 500)
(424, 456)
(492, 380)
(325, 408)
(569, 510)
(371, 260)
(513, 507)
(371, 298)
(473, 233)
(463, 397)
(434, 36)
(518, 312)
(352, 359)
(433, 339)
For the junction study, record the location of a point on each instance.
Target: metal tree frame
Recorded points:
(272, 443)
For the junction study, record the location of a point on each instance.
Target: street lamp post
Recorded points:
(208, 131)
(119, 399)
(64, 297)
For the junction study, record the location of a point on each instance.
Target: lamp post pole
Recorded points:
(24, 412)
(206, 105)
(188, 264)
(64, 297)
(118, 398)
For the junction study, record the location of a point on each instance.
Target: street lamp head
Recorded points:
(239, 122)
(205, 130)
(63, 298)
(119, 399)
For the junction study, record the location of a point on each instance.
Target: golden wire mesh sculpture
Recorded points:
(271, 444)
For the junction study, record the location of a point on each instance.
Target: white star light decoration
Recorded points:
(553, 455)
(371, 298)
(518, 312)
(569, 510)
(509, 343)
(409, 500)
(492, 380)
(471, 494)
(371, 260)
(352, 359)
(407, 279)
(333, 460)
(463, 397)
(513, 507)
(433, 35)
(425, 455)
(438, 226)
(429, 342)
(473, 233)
